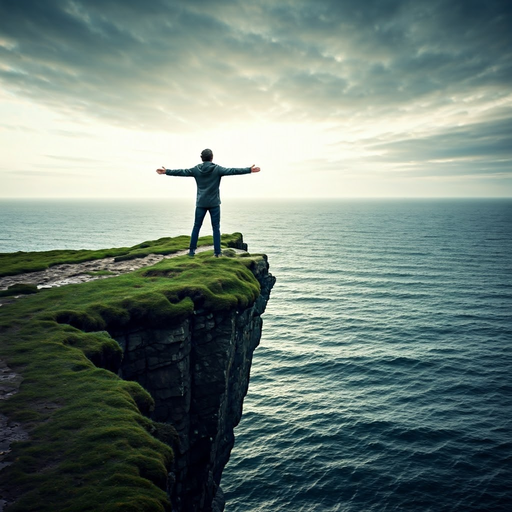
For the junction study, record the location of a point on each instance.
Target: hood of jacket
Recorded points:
(207, 167)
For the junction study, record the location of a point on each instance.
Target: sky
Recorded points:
(331, 98)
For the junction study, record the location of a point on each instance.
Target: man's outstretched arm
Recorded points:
(175, 172)
(231, 171)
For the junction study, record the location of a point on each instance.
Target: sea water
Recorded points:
(383, 378)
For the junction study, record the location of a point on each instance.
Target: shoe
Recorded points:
(218, 255)
(191, 254)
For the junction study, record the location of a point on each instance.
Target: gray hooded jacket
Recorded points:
(207, 176)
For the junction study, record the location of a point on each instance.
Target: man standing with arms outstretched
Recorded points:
(207, 176)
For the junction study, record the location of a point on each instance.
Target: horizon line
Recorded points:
(284, 198)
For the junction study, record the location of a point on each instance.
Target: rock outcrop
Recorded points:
(197, 371)
(184, 329)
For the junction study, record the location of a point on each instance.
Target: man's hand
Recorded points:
(255, 169)
(161, 170)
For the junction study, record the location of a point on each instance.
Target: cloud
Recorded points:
(20, 128)
(174, 63)
(489, 141)
(74, 159)
(74, 134)
(476, 150)
(44, 174)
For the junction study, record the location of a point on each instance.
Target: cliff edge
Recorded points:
(128, 389)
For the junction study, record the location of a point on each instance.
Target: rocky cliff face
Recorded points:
(198, 373)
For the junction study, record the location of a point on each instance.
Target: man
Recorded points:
(207, 176)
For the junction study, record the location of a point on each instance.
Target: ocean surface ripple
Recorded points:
(383, 379)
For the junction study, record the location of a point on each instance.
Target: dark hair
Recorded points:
(207, 155)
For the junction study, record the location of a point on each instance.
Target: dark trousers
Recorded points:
(198, 222)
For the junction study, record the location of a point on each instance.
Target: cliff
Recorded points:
(93, 439)
(197, 371)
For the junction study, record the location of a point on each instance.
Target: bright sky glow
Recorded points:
(330, 98)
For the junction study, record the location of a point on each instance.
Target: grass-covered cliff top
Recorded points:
(91, 446)
(21, 262)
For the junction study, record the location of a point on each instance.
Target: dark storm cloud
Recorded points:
(491, 140)
(124, 62)
(177, 65)
(478, 150)
(134, 62)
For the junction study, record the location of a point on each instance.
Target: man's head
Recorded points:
(207, 155)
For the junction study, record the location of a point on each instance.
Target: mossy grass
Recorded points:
(22, 262)
(92, 446)
(85, 426)
(19, 289)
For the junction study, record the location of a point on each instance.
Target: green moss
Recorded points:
(19, 289)
(85, 425)
(22, 262)
(98, 347)
(92, 447)
(164, 432)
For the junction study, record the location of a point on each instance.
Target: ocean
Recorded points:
(383, 381)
